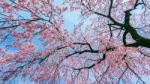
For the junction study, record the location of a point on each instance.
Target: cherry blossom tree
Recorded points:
(110, 44)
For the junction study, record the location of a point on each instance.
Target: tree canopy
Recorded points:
(109, 44)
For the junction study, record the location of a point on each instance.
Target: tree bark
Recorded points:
(139, 40)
